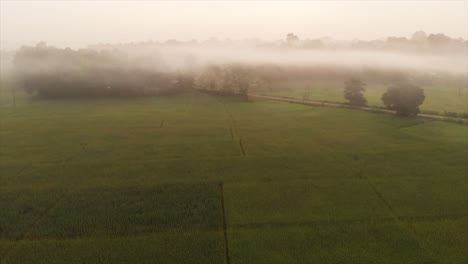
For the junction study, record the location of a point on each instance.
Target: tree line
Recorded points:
(50, 72)
(56, 73)
(229, 80)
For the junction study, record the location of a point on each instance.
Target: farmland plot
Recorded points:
(184, 215)
(137, 180)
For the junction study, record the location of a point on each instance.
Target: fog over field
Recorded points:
(133, 44)
(233, 132)
(76, 24)
(184, 35)
(181, 56)
(170, 58)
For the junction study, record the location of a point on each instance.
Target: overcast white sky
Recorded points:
(78, 23)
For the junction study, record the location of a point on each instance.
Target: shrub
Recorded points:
(353, 92)
(404, 98)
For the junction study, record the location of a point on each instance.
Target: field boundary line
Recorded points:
(172, 232)
(399, 219)
(231, 121)
(327, 222)
(168, 231)
(233, 127)
(226, 245)
(230, 129)
(241, 147)
(459, 120)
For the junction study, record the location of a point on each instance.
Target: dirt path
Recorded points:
(367, 109)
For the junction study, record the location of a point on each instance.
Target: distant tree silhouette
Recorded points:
(292, 39)
(438, 39)
(353, 92)
(226, 80)
(404, 98)
(419, 36)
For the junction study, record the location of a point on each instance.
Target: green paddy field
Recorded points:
(439, 98)
(203, 179)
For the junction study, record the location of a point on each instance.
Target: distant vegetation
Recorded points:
(225, 80)
(419, 42)
(353, 92)
(126, 71)
(56, 73)
(404, 98)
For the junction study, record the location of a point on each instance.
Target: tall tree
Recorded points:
(353, 92)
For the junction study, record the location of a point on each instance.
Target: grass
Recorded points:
(338, 243)
(439, 98)
(161, 248)
(105, 181)
(21, 209)
(113, 213)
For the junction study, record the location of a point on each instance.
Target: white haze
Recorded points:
(179, 57)
(79, 23)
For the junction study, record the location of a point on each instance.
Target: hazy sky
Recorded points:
(78, 23)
